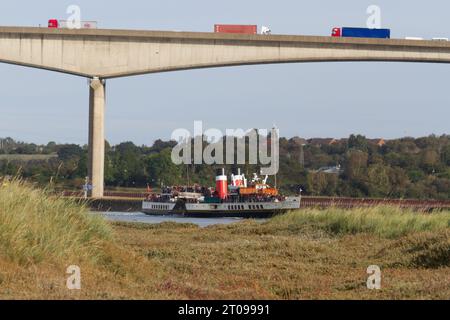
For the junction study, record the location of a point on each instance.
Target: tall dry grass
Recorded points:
(389, 222)
(36, 227)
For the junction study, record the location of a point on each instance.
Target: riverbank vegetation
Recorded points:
(36, 227)
(387, 222)
(416, 168)
(309, 254)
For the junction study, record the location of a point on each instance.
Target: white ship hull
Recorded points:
(158, 208)
(242, 209)
(238, 209)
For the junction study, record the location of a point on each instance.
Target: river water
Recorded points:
(142, 218)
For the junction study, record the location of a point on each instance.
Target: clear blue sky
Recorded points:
(310, 100)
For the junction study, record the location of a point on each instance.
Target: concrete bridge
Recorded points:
(105, 54)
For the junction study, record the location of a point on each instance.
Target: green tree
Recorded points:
(358, 142)
(322, 184)
(430, 160)
(162, 171)
(378, 180)
(129, 165)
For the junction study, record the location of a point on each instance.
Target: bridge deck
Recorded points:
(110, 33)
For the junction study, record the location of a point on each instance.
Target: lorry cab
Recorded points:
(348, 32)
(337, 32)
(53, 23)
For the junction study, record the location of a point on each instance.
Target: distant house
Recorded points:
(378, 142)
(381, 143)
(333, 141)
(331, 170)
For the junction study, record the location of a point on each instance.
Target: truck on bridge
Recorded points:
(346, 32)
(62, 24)
(240, 28)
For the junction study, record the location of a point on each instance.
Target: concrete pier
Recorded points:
(96, 165)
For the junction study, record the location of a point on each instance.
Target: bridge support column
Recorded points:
(96, 166)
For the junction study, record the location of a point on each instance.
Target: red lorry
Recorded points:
(62, 24)
(236, 28)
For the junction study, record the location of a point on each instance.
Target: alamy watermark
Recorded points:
(374, 19)
(74, 19)
(236, 146)
(374, 280)
(74, 280)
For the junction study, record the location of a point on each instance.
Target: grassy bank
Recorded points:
(390, 222)
(36, 227)
(308, 254)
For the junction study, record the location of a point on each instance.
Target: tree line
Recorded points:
(354, 167)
